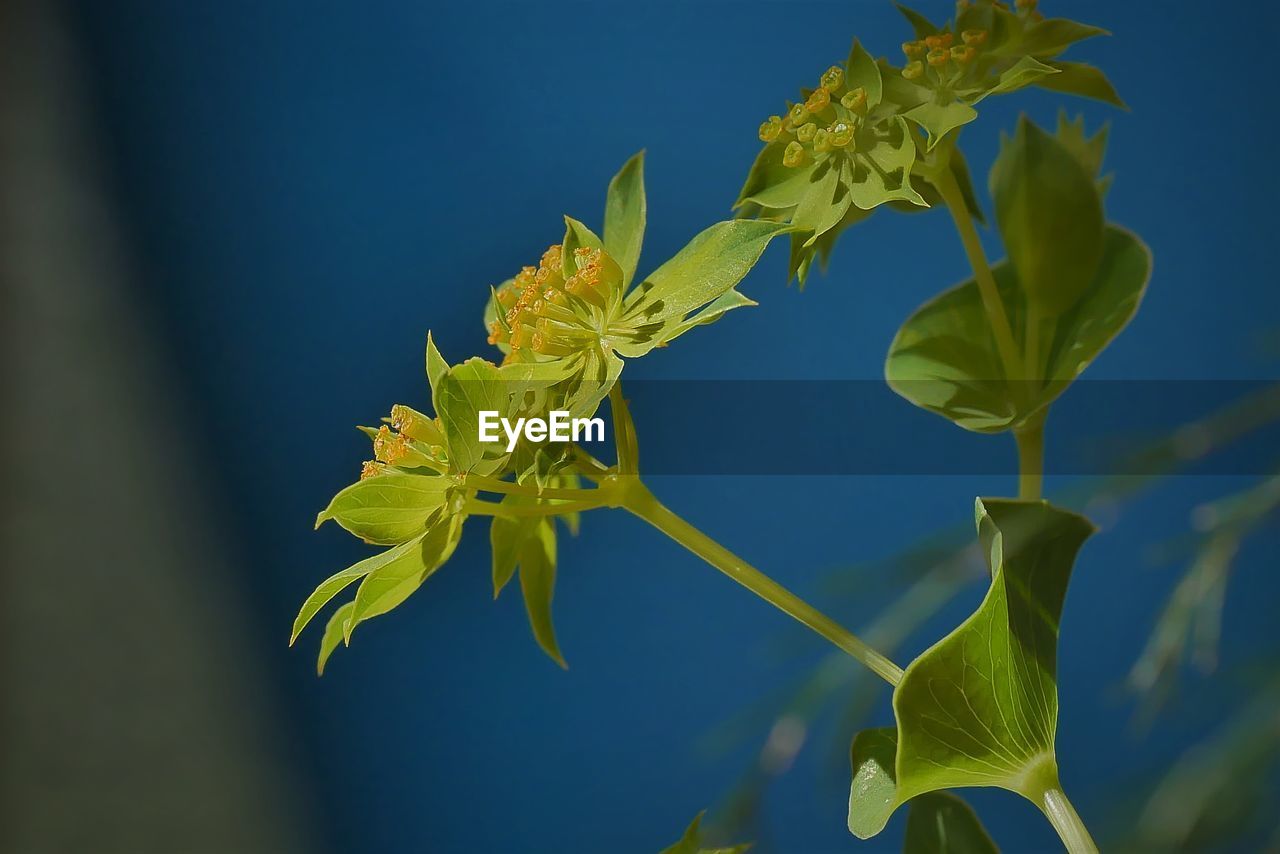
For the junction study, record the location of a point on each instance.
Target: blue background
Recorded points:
(310, 187)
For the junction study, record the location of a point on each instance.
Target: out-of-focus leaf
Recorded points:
(1050, 215)
(942, 823)
(691, 842)
(1078, 78)
(944, 357)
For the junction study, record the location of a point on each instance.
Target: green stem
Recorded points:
(640, 501)
(945, 182)
(488, 508)
(1030, 439)
(503, 487)
(1064, 818)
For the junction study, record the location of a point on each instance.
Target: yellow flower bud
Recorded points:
(798, 115)
(938, 58)
(794, 155)
(833, 79)
(938, 40)
(855, 100)
(974, 37)
(963, 54)
(821, 140)
(841, 134)
(771, 129)
(913, 70)
(913, 50)
(818, 100)
(371, 468)
(805, 132)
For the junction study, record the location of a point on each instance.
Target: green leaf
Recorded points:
(1078, 78)
(465, 391)
(710, 314)
(624, 216)
(336, 583)
(941, 823)
(980, 707)
(827, 200)
(690, 842)
(1050, 216)
(388, 509)
(772, 185)
(944, 357)
(709, 266)
(537, 583)
(595, 372)
(437, 367)
(863, 71)
(938, 120)
(1052, 36)
(1023, 73)
(391, 584)
(576, 236)
(922, 25)
(333, 634)
(506, 537)
(882, 173)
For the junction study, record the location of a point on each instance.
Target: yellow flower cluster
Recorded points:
(540, 309)
(827, 120)
(940, 52)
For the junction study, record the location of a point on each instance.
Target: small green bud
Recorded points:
(833, 79)
(821, 140)
(771, 129)
(794, 155)
(841, 134)
(805, 132)
(913, 70)
(855, 100)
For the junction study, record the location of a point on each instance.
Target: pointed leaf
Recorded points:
(1078, 78)
(827, 200)
(1023, 73)
(333, 634)
(537, 583)
(624, 216)
(711, 264)
(863, 71)
(466, 391)
(437, 367)
(1051, 36)
(691, 842)
(944, 358)
(922, 25)
(336, 583)
(391, 584)
(883, 172)
(939, 120)
(390, 508)
(576, 236)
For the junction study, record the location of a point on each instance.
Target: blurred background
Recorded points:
(224, 232)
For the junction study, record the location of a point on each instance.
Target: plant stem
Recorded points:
(949, 190)
(503, 487)
(1030, 439)
(488, 508)
(1064, 818)
(640, 501)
